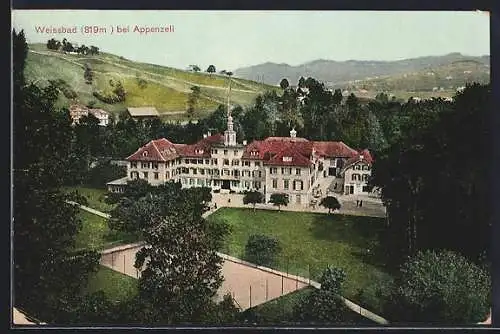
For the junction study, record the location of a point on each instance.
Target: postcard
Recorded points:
(251, 168)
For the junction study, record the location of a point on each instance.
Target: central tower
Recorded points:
(229, 134)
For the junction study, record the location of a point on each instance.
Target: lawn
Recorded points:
(95, 233)
(312, 241)
(280, 311)
(117, 286)
(95, 197)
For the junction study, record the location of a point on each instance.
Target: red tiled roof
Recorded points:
(205, 144)
(266, 148)
(180, 148)
(163, 150)
(334, 149)
(166, 148)
(363, 156)
(254, 147)
(296, 158)
(270, 147)
(155, 150)
(271, 150)
(367, 156)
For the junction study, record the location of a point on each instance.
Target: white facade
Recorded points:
(101, 115)
(356, 178)
(290, 180)
(77, 112)
(225, 169)
(289, 165)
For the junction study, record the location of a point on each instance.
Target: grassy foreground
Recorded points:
(280, 311)
(96, 234)
(95, 197)
(310, 242)
(116, 286)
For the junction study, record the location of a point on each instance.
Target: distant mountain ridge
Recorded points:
(335, 73)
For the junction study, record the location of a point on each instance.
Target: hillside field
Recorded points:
(165, 88)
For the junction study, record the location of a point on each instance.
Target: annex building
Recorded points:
(301, 168)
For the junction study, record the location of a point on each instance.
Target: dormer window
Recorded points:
(287, 159)
(145, 153)
(199, 151)
(254, 153)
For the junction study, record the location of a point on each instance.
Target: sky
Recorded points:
(235, 39)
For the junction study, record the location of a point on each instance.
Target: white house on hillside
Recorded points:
(78, 111)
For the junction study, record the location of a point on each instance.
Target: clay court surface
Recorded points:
(249, 286)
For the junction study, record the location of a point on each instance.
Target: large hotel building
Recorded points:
(301, 168)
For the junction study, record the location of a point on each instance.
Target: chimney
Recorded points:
(209, 133)
(205, 136)
(361, 157)
(244, 142)
(293, 133)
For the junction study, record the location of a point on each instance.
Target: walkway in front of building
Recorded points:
(372, 207)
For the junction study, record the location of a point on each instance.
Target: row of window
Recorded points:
(216, 172)
(226, 162)
(236, 162)
(235, 173)
(156, 175)
(285, 171)
(145, 175)
(226, 152)
(359, 177)
(153, 164)
(296, 184)
(200, 161)
(216, 183)
(361, 167)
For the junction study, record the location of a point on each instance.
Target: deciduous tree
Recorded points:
(284, 84)
(331, 203)
(441, 287)
(88, 74)
(182, 269)
(48, 270)
(193, 98)
(424, 203)
(253, 197)
(325, 305)
(278, 199)
(261, 249)
(211, 69)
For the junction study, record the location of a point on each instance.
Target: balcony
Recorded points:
(225, 177)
